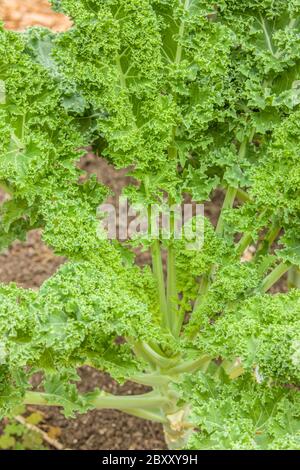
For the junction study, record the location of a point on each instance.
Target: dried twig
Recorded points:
(52, 442)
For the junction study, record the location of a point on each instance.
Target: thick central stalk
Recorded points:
(159, 276)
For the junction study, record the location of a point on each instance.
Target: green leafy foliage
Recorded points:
(17, 436)
(243, 415)
(190, 95)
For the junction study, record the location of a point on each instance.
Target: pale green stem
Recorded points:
(265, 265)
(172, 298)
(293, 23)
(18, 142)
(294, 278)
(117, 402)
(273, 234)
(157, 267)
(203, 288)
(243, 196)
(268, 240)
(150, 415)
(181, 34)
(130, 402)
(141, 353)
(151, 380)
(181, 315)
(191, 366)
(268, 36)
(228, 203)
(274, 276)
(156, 358)
(231, 193)
(159, 276)
(121, 73)
(243, 244)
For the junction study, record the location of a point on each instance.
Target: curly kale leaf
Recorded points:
(242, 415)
(262, 331)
